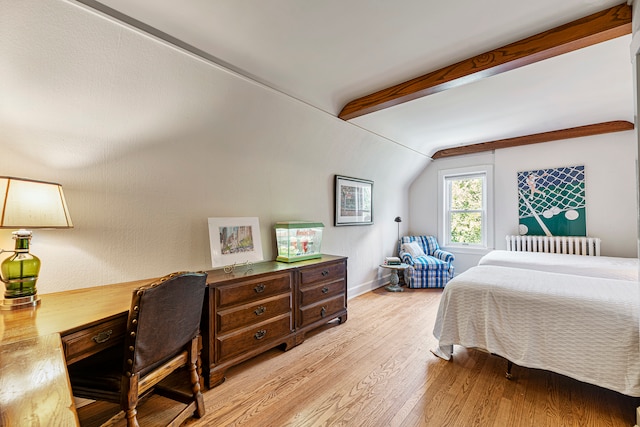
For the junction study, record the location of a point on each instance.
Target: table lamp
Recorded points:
(26, 203)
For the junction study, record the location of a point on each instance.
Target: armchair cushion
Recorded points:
(413, 249)
(428, 262)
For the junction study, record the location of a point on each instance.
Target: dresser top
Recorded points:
(265, 267)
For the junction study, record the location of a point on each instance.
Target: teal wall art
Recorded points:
(551, 202)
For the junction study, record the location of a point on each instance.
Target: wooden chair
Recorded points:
(162, 336)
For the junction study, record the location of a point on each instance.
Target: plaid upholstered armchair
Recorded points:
(429, 266)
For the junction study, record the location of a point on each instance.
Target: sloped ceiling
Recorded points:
(327, 53)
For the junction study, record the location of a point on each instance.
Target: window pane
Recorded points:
(466, 194)
(466, 227)
(465, 205)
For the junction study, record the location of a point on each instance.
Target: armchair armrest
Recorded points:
(443, 255)
(406, 258)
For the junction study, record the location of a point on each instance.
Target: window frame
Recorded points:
(444, 232)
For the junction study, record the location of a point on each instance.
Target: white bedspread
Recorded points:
(582, 327)
(594, 266)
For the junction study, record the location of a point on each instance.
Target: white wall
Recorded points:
(610, 188)
(148, 142)
(635, 17)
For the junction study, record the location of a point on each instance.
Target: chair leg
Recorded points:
(132, 402)
(132, 420)
(194, 361)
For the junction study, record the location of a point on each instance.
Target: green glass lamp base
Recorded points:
(19, 272)
(19, 303)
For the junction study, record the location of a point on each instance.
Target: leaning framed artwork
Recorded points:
(552, 202)
(353, 201)
(234, 240)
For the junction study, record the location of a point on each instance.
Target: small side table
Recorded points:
(393, 286)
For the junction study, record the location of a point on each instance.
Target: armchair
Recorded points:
(429, 266)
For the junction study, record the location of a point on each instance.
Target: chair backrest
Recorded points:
(429, 244)
(164, 316)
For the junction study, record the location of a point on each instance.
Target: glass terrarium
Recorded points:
(298, 240)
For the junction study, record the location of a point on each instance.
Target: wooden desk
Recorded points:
(36, 343)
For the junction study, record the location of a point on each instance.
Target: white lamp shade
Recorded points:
(27, 203)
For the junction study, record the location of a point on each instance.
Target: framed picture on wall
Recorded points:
(353, 201)
(552, 202)
(234, 240)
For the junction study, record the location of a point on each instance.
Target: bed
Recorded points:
(579, 325)
(597, 266)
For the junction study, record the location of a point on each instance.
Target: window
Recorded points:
(465, 209)
(465, 202)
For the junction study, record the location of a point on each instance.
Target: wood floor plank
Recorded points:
(489, 387)
(376, 370)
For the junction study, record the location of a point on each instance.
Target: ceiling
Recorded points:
(327, 53)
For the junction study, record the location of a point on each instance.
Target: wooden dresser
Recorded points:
(321, 295)
(266, 305)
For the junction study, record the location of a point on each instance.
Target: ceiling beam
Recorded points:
(602, 26)
(577, 132)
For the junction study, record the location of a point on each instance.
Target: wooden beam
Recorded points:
(577, 132)
(587, 31)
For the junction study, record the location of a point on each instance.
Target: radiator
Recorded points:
(555, 244)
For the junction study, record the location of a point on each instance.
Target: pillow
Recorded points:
(413, 248)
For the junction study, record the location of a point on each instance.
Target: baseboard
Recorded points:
(368, 286)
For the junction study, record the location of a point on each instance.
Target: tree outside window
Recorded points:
(465, 209)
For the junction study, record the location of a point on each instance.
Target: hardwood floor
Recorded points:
(376, 370)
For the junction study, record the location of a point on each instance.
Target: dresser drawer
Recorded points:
(247, 314)
(323, 273)
(244, 340)
(94, 339)
(313, 294)
(252, 290)
(324, 310)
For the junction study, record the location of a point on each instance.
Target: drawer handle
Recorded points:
(325, 273)
(260, 334)
(259, 288)
(325, 290)
(260, 310)
(102, 336)
(323, 312)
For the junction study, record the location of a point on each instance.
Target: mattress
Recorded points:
(582, 327)
(593, 266)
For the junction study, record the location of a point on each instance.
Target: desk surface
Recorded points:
(34, 385)
(66, 312)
